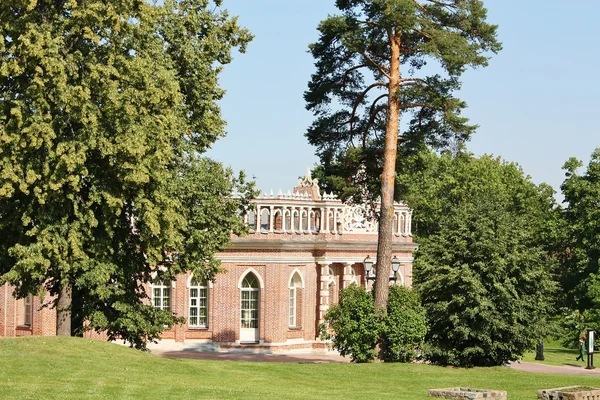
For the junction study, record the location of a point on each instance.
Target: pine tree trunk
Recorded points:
(63, 311)
(388, 178)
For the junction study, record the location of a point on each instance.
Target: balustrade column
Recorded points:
(292, 227)
(335, 213)
(323, 291)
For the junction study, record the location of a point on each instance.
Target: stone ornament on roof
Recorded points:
(308, 180)
(308, 186)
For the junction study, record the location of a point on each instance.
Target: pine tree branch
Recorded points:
(359, 100)
(427, 35)
(412, 82)
(373, 111)
(350, 70)
(369, 23)
(376, 65)
(441, 4)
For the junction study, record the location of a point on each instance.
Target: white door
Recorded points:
(249, 322)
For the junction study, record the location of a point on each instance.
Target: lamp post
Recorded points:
(368, 264)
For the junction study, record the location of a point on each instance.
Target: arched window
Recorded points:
(294, 309)
(161, 295)
(265, 216)
(316, 221)
(287, 220)
(251, 219)
(26, 311)
(332, 288)
(277, 220)
(399, 279)
(250, 296)
(198, 305)
(304, 225)
(295, 220)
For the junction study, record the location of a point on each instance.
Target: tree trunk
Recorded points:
(388, 178)
(63, 311)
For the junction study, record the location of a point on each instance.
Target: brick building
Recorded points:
(303, 247)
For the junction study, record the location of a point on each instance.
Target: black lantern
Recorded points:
(395, 265)
(368, 263)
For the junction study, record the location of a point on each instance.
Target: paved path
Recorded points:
(554, 369)
(297, 358)
(310, 358)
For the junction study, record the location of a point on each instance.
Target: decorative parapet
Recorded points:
(570, 393)
(300, 213)
(467, 393)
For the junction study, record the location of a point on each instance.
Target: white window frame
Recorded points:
(27, 310)
(164, 301)
(293, 304)
(198, 307)
(295, 283)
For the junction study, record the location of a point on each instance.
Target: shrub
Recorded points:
(355, 328)
(352, 325)
(404, 326)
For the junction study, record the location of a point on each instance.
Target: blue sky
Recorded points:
(537, 103)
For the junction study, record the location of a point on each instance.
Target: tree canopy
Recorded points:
(105, 111)
(581, 273)
(484, 270)
(371, 71)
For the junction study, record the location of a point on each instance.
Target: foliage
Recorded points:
(370, 74)
(355, 327)
(581, 275)
(105, 111)
(374, 55)
(352, 325)
(404, 325)
(484, 269)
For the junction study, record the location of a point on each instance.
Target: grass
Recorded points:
(75, 368)
(556, 354)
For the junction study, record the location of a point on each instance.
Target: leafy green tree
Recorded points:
(370, 63)
(484, 267)
(404, 326)
(106, 108)
(581, 275)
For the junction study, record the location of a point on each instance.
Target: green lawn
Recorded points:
(74, 368)
(555, 354)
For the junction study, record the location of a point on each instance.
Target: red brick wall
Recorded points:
(43, 321)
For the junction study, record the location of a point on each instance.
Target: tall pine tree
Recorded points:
(371, 71)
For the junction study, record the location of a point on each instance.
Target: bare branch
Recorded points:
(369, 23)
(413, 80)
(443, 4)
(419, 5)
(413, 105)
(405, 84)
(360, 99)
(427, 35)
(376, 65)
(350, 70)
(372, 115)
